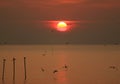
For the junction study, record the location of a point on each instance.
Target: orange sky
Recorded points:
(28, 14)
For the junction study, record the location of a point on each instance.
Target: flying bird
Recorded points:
(55, 71)
(42, 69)
(43, 54)
(65, 67)
(113, 67)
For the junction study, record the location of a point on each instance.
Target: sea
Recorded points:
(60, 64)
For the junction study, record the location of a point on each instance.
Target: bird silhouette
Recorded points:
(42, 69)
(113, 67)
(65, 67)
(55, 71)
(43, 54)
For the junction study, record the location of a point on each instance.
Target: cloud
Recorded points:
(71, 3)
(5, 3)
(57, 9)
(109, 4)
(52, 3)
(102, 3)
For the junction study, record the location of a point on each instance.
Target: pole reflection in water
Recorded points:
(3, 82)
(25, 81)
(3, 69)
(13, 81)
(25, 67)
(14, 69)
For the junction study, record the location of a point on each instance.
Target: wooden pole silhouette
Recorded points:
(25, 68)
(14, 68)
(3, 69)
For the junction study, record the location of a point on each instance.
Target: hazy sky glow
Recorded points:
(28, 21)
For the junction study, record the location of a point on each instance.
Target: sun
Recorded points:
(62, 26)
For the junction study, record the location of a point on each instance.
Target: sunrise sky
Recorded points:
(33, 21)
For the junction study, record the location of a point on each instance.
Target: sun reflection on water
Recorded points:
(61, 76)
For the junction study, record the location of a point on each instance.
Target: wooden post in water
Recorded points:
(3, 69)
(25, 68)
(14, 68)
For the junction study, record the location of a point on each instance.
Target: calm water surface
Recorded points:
(85, 64)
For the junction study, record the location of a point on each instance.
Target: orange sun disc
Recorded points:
(62, 26)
